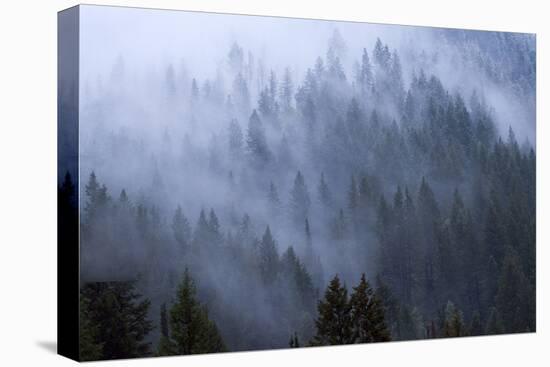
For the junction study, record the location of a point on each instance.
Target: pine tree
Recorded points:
(365, 77)
(333, 323)
(273, 199)
(454, 324)
(286, 91)
(192, 331)
(269, 257)
(298, 279)
(381, 55)
(396, 80)
(256, 140)
(235, 58)
(214, 233)
(97, 199)
(181, 228)
(244, 232)
(299, 199)
(514, 300)
(367, 315)
(389, 304)
(241, 94)
(90, 348)
(201, 235)
(339, 226)
(119, 314)
(323, 192)
(166, 346)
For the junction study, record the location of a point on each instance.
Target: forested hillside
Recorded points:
(357, 200)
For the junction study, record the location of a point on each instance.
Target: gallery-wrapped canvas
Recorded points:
(235, 183)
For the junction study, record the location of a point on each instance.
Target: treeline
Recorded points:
(412, 185)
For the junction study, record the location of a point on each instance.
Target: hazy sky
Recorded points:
(148, 40)
(148, 37)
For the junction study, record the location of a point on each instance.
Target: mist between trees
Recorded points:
(241, 212)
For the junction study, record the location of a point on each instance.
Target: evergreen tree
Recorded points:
(97, 199)
(166, 346)
(181, 228)
(119, 315)
(339, 226)
(365, 77)
(214, 233)
(269, 257)
(299, 281)
(367, 315)
(334, 325)
(323, 192)
(453, 325)
(286, 91)
(389, 305)
(273, 198)
(299, 199)
(90, 348)
(201, 229)
(192, 331)
(381, 55)
(256, 140)
(241, 95)
(235, 58)
(514, 300)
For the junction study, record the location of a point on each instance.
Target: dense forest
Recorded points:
(355, 201)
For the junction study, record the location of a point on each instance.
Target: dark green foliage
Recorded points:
(89, 345)
(334, 325)
(192, 331)
(116, 318)
(514, 298)
(348, 320)
(412, 183)
(367, 314)
(299, 281)
(166, 346)
(453, 325)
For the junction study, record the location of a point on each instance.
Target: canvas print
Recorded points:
(238, 183)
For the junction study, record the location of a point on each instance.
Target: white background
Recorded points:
(28, 182)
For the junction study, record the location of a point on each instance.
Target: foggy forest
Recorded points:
(371, 188)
